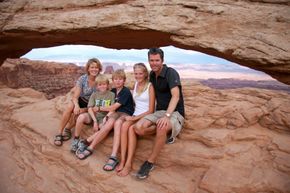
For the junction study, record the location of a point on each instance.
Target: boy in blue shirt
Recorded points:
(123, 106)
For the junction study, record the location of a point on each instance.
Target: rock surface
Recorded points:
(253, 33)
(233, 141)
(54, 79)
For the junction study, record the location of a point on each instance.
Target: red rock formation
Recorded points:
(233, 141)
(252, 33)
(52, 78)
(109, 70)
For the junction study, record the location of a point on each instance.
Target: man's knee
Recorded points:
(162, 132)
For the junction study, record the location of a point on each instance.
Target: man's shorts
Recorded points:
(176, 120)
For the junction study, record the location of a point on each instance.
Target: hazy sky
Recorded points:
(81, 53)
(184, 61)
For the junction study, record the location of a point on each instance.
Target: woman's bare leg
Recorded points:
(66, 116)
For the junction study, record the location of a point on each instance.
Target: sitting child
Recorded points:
(101, 98)
(123, 106)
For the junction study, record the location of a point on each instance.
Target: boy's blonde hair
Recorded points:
(120, 73)
(92, 61)
(101, 78)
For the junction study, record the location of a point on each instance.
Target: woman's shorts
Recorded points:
(82, 103)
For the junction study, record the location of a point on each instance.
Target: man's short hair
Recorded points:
(154, 51)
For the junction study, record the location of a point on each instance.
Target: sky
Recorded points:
(190, 64)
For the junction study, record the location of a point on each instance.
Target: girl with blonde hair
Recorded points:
(144, 98)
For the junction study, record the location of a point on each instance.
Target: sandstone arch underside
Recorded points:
(252, 33)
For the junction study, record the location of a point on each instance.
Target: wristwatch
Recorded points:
(167, 115)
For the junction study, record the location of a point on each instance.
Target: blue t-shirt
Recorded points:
(124, 97)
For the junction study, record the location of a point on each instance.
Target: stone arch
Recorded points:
(251, 33)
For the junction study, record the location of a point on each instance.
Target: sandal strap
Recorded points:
(58, 137)
(89, 149)
(67, 131)
(115, 159)
(66, 134)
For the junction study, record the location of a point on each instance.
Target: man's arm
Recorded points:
(174, 100)
(164, 122)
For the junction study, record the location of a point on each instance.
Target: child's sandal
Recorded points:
(84, 154)
(114, 162)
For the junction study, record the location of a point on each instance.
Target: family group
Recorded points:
(154, 106)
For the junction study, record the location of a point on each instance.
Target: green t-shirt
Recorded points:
(100, 99)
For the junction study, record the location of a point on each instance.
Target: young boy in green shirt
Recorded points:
(101, 98)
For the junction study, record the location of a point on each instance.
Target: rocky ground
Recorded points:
(233, 141)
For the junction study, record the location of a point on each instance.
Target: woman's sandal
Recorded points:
(86, 153)
(112, 165)
(66, 134)
(58, 139)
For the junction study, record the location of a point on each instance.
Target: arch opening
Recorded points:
(190, 64)
(210, 70)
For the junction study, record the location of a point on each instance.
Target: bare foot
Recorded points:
(124, 172)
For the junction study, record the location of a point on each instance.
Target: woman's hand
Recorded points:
(77, 110)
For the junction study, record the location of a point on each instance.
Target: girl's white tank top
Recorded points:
(141, 101)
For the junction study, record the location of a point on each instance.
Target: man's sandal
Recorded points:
(58, 139)
(66, 134)
(112, 165)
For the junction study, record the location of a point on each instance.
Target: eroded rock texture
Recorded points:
(233, 141)
(253, 33)
(54, 79)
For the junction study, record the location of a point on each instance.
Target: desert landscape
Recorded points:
(233, 140)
